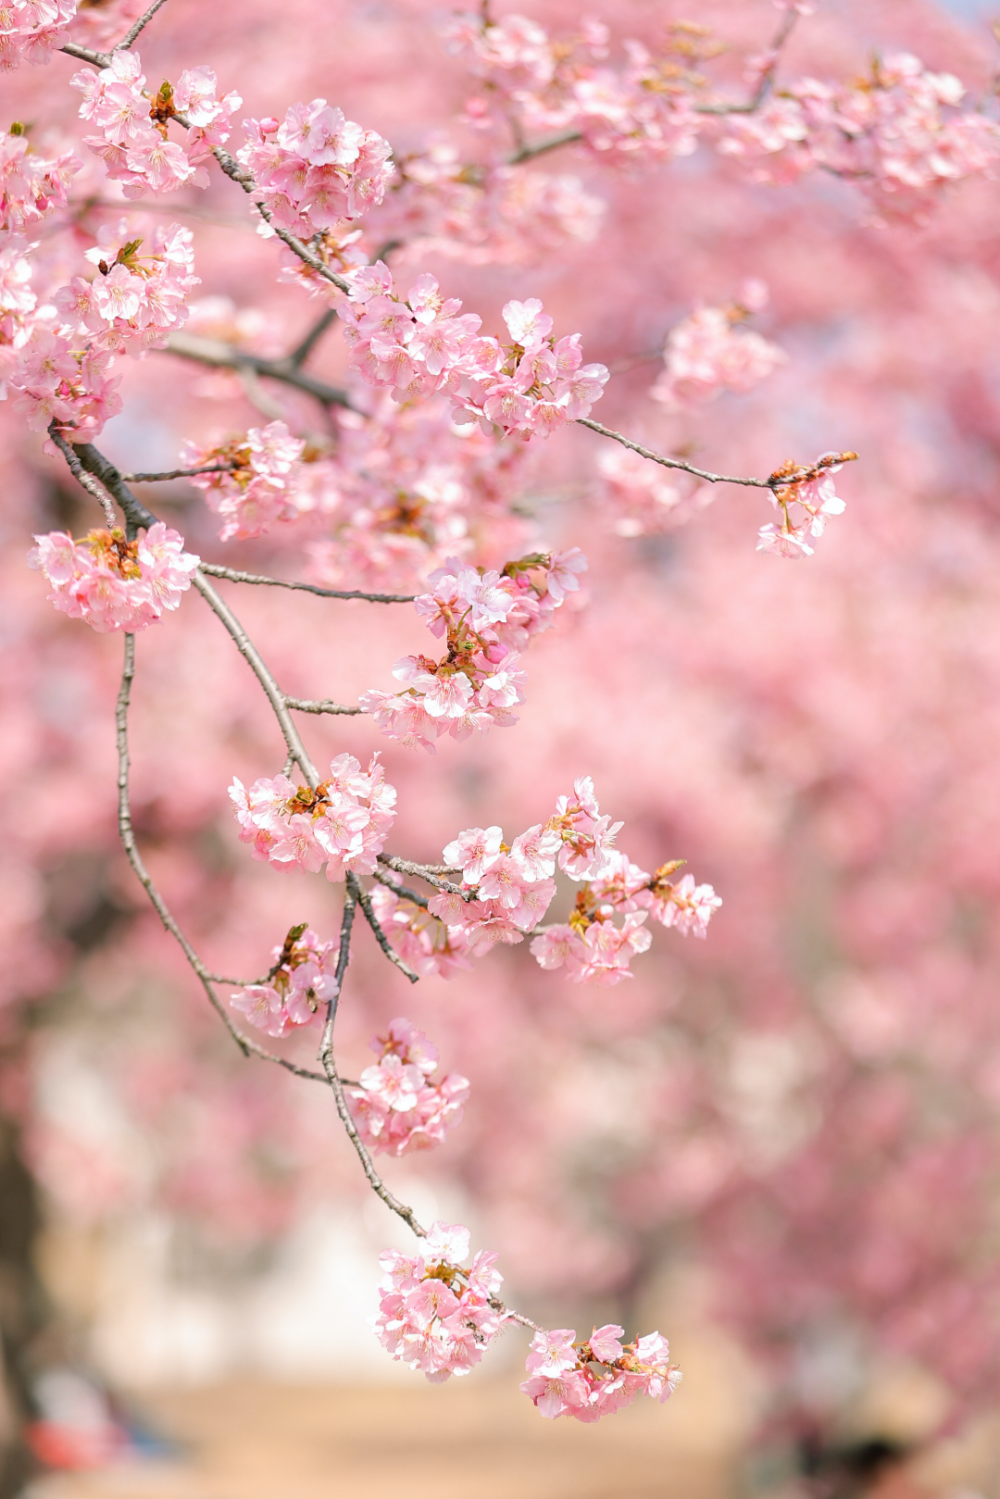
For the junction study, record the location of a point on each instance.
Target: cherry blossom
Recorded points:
(258, 487)
(400, 1105)
(112, 583)
(712, 351)
(316, 170)
(30, 30)
(424, 343)
(134, 144)
(341, 824)
(31, 186)
(812, 490)
(486, 618)
(302, 980)
(436, 1315)
(598, 1377)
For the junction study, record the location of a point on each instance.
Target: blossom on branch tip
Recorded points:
(436, 1315)
(811, 489)
(111, 582)
(598, 1377)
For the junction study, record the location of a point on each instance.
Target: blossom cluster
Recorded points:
(486, 619)
(643, 109)
(598, 1377)
(111, 582)
(898, 133)
(133, 141)
(341, 823)
(258, 485)
(487, 214)
(507, 888)
(590, 946)
(62, 370)
(30, 30)
(435, 1314)
(402, 488)
(31, 186)
(711, 351)
(423, 343)
(315, 168)
(302, 978)
(399, 1105)
(18, 302)
(811, 489)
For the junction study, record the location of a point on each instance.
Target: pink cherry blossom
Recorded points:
(112, 583)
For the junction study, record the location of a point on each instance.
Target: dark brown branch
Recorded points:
(177, 473)
(383, 879)
(220, 355)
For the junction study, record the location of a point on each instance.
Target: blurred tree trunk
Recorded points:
(23, 1310)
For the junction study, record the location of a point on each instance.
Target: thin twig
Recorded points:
(766, 79)
(333, 1077)
(550, 143)
(359, 892)
(304, 705)
(681, 463)
(324, 593)
(383, 879)
(427, 872)
(178, 473)
(127, 835)
(232, 169)
(133, 31)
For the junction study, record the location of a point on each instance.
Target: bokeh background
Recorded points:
(780, 1146)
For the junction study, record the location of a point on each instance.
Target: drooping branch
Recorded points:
(127, 836)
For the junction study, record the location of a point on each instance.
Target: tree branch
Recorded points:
(218, 571)
(178, 473)
(358, 890)
(301, 352)
(220, 355)
(133, 31)
(303, 705)
(679, 463)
